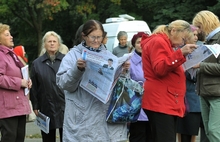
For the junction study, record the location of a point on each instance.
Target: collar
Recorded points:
(212, 33)
(119, 45)
(45, 56)
(136, 59)
(5, 49)
(91, 48)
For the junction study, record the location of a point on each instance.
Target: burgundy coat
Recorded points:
(165, 85)
(13, 102)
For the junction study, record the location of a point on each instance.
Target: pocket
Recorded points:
(11, 100)
(74, 112)
(176, 95)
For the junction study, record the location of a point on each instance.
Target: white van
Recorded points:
(123, 23)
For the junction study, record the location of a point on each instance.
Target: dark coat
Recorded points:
(208, 76)
(192, 97)
(45, 95)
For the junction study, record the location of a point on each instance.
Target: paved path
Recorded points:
(33, 130)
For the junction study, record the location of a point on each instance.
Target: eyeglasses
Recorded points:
(93, 38)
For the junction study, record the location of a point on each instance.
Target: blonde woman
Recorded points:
(208, 77)
(164, 88)
(45, 95)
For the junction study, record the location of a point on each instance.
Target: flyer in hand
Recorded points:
(43, 121)
(25, 74)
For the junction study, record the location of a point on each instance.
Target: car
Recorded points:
(126, 23)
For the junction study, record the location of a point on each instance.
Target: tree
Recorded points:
(33, 12)
(30, 19)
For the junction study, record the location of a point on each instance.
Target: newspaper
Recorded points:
(43, 122)
(215, 49)
(102, 71)
(201, 53)
(25, 75)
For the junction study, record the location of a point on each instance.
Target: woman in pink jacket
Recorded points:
(164, 87)
(14, 104)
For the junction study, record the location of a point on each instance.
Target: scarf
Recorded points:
(212, 33)
(15, 58)
(91, 48)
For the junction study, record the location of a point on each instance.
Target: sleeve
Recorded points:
(163, 59)
(34, 89)
(69, 76)
(6, 81)
(210, 68)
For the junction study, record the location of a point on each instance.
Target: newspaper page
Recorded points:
(25, 74)
(215, 49)
(43, 122)
(101, 72)
(201, 53)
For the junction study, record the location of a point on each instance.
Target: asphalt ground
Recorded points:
(33, 134)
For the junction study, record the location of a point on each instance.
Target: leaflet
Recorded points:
(215, 49)
(198, 55)
(102, 71)
(43, 122)
(25, 74)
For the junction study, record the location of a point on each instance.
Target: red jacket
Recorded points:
(13, 102)
(165, 86)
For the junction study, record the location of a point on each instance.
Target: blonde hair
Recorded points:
(190, 38)
(4, 27)
(179, 25)
(63, 49)
(207, 20)
(51, 33)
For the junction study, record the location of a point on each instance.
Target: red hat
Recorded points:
(136, 36)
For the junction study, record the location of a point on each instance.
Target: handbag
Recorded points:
(31, 117)
(125, 104)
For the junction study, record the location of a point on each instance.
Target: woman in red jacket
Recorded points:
(164, 88)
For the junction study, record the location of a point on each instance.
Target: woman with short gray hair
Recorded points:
(122, 47)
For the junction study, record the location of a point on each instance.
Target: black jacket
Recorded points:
(45, 95)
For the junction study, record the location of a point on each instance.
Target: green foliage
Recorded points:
(30, 19)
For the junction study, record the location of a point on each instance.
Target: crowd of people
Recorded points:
(176, 104)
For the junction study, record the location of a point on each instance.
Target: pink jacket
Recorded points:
(13, 102)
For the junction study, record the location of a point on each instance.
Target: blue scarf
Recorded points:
(91, 48)
(212, 33)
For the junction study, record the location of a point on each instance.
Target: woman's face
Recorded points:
(138, 45)
(195, 33)
(178, 38)
(94, 39)
(6, 39)
(51, 44)
(122, 40)
(193, 38)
